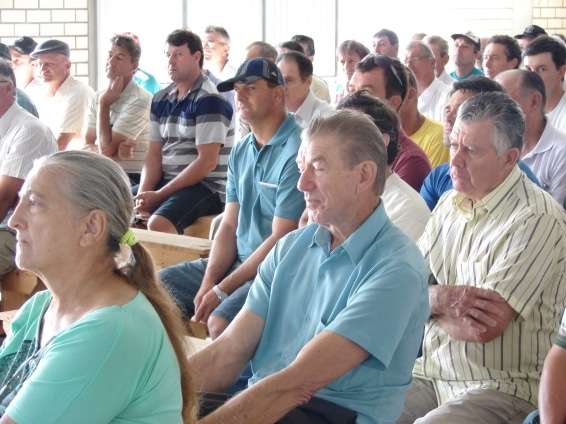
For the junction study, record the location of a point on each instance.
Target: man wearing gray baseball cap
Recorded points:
(63, 100)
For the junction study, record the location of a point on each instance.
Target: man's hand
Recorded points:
(115, 88)
(205, 287)
(147, 201)
(470, 313)
(205, 307)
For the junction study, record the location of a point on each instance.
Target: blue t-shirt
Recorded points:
(263, 181)
(372, 290)
(438, 182)
(146, 81)
(114, 365)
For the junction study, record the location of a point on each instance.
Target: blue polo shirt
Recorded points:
(263, 181)
(438, 182)
(372, 290)
(474, 73)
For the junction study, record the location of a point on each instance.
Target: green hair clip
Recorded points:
(128, 238)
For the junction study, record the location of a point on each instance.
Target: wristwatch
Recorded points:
(221, 295)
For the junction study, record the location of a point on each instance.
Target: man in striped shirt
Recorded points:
(184, 175)
(496, 249)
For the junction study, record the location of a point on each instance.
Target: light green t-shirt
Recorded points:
(115, 365)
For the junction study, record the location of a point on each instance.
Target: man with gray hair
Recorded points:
(496, 251)
(544, 147)
(23, 138)
(432, 92)
(439, 48)
(334, 318)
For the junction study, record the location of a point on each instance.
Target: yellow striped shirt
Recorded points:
(514, 242)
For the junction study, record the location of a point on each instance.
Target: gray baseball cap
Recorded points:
(51, 46)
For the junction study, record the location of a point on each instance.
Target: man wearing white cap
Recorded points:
(466, 50)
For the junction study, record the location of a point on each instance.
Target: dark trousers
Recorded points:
(315, 411)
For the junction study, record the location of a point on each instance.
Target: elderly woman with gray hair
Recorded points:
(104, 343)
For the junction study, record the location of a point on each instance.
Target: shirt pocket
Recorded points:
(268, 196)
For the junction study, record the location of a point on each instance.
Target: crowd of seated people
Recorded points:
(391, 250)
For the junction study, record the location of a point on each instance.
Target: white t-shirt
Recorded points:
(446, 79)
(557, 117)
(405, 207)
(432, 100)
(66, 111)
(129, 116)
(547, 160)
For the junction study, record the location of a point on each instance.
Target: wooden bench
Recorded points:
(170, 249)
(201, 227)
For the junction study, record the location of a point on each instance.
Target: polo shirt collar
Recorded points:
(545, 141)
(281, 135)
(357, 244)
(196, 86)
(7, 118)
(470, 209)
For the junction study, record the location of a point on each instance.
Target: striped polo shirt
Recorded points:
(513, 241)
(201, 117)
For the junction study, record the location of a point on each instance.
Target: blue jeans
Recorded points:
(183, 282)
(532, 418)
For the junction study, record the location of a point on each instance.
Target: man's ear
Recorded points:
(367, 176)
(93, 228)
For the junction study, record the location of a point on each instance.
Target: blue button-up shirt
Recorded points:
(263, 181)
(372, 290)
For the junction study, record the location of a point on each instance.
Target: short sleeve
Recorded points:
(377, 314)
(289, 201)
(133, 119)
(231, 178)
(76, 111)
(30, 143)
(213, 119)
(92, 111)
(260, 291)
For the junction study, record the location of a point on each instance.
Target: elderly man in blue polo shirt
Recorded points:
(262, 201)
(334, 318)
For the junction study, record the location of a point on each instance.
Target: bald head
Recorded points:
(526, 88)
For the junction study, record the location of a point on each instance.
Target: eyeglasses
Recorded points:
(387, 63)
(2, 81)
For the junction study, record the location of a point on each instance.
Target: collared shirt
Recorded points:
(432, 100)
(23, 138)
(201, 117)
(430, 138)
(129, 116)
(320, 89)
(370, 290)
(446, 79)
(548, 162)
(513, 242)
(404, 207)
(66, 111)
(311, 107)
(475, 72)
(439, 182)
(263, 181)
(411, 162)
(557, 116)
